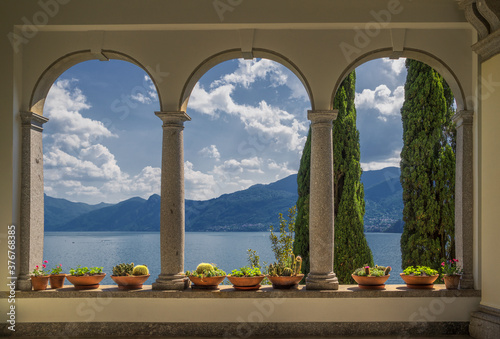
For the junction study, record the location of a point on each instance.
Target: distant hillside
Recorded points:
(253, 209)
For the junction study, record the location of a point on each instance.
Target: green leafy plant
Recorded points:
(123, 269)
(40, 270)
(246, 272)
(56, 270)
(206, 270)
(282, 244)
(450, 267)
(80, 271)
(420, 271)
(376, 271)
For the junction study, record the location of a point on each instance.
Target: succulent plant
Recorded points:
(387, 270)
(123, 269)
(203, 267)
(140, 270)
(376, 271)
(290, 267)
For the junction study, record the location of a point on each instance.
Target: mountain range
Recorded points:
(252, 209)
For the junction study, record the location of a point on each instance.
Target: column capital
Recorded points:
(35, 120)
(325, 116)
(463, 118)
(173, 118)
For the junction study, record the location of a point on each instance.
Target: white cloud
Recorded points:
(210, 152)
(146, 93)
(386, 102)
(198, 185)
(393, 161)
(396, 65)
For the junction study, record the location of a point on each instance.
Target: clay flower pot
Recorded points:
(40, 282)
(207, 283)
(57, 280)
(285, 282)
(86, 282)
(130, 282)
(419, 281)
(452, 281)
(246, 283)
(371, 283)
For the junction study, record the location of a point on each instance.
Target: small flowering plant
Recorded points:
(57, 269)
(41, 271)
(450, 267)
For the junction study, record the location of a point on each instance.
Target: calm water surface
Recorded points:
(227, 249)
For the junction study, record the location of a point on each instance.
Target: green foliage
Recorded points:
(282, 244)
(79, 271)
(206, 270)
(253, 258)
(40, 270)
(246, 272)
(450, 267)
(140, 270)
(351, 248)
(420, 271)
(377, 271)
(56, 270)
(123, 269)
(427, 168)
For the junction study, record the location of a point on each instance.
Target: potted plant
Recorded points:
(452, 274)
(84, 278)
(206, 276)
(129, 277)
(286, 274)
(40, 277)
(420, 277)
(246, 278)
(372, 278)
(56, 277)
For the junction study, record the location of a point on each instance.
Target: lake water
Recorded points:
(227, 249)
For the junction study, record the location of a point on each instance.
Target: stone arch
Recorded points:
(218, 58)
(439, 65)
(58, 67)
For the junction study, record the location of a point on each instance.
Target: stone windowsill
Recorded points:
(227, 291)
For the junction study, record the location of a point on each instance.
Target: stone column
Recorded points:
(464, 196)
(172, 203)
(30, 244)
(321, 276)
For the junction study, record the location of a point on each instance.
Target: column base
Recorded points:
(322, 281)
(23, 283)
(485, 322)
(467, 282)
(171, 282)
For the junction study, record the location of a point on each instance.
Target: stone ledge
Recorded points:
(241, 330)
(226, 291)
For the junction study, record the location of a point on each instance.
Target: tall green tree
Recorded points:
(351, 247)
(427, 168)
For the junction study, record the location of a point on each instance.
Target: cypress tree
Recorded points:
(351, 247)
(427, 168)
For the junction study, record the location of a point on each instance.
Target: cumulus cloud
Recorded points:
(210, 152)
(388, 103)
(146, 93)
(396, 65)
(393, 161)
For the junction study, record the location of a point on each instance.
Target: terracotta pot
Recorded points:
(286, 282)
(39, 283)
(86, 282)
(246, 283)
(130, 282)
(210, 283)
(452, 281)
(371, 283)
(419, 281)
(57, 280)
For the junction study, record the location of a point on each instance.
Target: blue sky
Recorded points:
(103, 140)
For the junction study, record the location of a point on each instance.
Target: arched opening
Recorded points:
(102, 167)
(242, 152)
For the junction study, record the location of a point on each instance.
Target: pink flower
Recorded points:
(367, 266)
(44, 266)
(45, 262)
(455, 260)
(442, 264)
(36, 266)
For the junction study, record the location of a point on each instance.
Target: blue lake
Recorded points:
(226, 249)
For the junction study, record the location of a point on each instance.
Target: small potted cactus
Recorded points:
(206, 276)
(372, 278)
(286, 275)
(246, 278)
(130, 277)
(420, 277)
